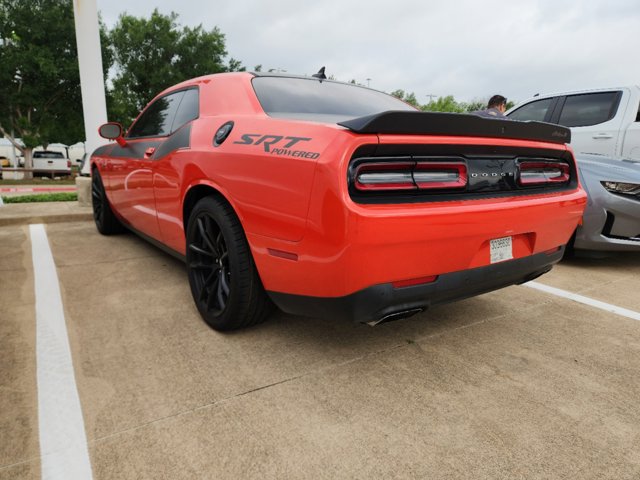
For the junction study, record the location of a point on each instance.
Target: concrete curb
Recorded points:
(43, 212)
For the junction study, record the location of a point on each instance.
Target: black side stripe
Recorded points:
(135, 149)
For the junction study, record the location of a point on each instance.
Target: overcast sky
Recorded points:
(471, 49)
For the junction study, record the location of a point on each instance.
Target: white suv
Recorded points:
(604, 121)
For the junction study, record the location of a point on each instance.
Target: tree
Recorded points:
(444, 104)
(152, 54)
(475, 105)
(40, 98)
(410, 98)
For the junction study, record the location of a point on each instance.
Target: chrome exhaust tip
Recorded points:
(391, 317)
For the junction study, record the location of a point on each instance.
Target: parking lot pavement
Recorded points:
(517, 383)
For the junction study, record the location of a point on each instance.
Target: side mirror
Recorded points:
(112, 131)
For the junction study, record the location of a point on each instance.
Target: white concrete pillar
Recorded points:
(94, 104)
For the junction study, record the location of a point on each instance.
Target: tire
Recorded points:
(106, 222)
(569, 250)
(224, 281)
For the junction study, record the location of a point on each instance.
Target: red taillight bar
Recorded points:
(378, 176)
(440, 175)
(385, 176)
(536, 173)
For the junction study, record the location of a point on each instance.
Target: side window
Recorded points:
(589, 109)
(157, 118)
(188, 110)
(533, 111)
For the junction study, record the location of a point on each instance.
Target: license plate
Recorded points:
(501, 249)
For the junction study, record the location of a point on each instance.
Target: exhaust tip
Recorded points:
(391, 317)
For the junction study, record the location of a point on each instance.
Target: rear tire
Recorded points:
(224, 281)
(106, 221)
(569, 250)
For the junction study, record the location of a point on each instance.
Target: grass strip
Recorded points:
(38, 181)
(42, 197)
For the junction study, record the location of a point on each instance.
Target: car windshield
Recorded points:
(311, 99)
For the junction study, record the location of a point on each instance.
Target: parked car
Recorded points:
(612, 217)
(604, 121)
(49, 163)
(334, 200)
(4, 163)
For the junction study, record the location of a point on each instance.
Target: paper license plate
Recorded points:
(501, 249)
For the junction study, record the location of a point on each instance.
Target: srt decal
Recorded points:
(277, 144)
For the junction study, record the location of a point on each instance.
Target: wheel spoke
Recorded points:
(213, 292)
(200, 266)
(224, 283)
(205, 236)
(203, 293)
(222, 248)
(210, 228)
(212, 275)
(221, 300)
(199, 250)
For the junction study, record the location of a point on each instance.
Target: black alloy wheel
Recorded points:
(210, 264)
(224, 281)
(106, 222)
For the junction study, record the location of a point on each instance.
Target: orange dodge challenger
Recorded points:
(332, 199)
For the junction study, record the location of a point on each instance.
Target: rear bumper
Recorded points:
(384, 302)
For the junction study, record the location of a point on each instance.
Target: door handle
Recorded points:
(149, 151)
(602, 136)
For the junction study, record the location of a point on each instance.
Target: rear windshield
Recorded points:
(310, 99)
(47, 155)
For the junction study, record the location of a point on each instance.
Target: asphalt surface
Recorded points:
(513, 384)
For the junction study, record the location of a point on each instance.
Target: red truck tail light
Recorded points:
(539, 172)
(385, 176)
(379, 176)
(68, 163)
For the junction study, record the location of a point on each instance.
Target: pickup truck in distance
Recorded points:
(50, 163)
(604, 121)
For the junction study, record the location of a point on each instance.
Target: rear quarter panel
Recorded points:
(265, 169)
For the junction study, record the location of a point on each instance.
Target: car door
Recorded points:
(168, 171)
(631, 140)
(595, 127)
(131, 176)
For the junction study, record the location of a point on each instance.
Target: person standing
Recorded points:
(495, 109)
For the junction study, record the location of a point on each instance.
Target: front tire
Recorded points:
(224, 281)
(106, 221)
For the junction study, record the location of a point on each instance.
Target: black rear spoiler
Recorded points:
(456, 124)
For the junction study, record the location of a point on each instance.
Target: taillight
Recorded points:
(379, 176)
(385, 176)
(538, 172)
(440, 175)
(68, 163)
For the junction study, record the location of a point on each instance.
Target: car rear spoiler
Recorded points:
(456, 124)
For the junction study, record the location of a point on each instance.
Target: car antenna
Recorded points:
(320, 75)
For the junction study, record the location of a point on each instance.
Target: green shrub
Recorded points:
(43, 197)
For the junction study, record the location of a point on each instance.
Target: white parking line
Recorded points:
(63, 443)
(585, 300)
